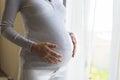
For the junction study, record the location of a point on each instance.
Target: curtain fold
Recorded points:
(115, 47)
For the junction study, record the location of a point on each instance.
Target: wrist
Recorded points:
(33, 47)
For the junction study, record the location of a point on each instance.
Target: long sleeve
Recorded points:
(67, 28)
(7, 30)
(64, 3)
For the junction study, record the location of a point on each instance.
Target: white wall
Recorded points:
(9, 51)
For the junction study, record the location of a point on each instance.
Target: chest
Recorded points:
(44, 7)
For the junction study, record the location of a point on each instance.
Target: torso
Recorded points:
(44, 22)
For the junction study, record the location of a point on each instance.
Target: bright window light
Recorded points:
(102, 40)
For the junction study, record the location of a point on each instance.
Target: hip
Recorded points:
(31, 60)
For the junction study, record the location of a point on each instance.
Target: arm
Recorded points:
(11, 9)
(44, 50)
(74, 41)
(73, 38)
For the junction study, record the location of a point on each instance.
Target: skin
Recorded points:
(74, 43)
(45, 51)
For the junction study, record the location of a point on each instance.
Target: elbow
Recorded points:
(4, 26)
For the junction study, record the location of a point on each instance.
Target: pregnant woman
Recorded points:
(46, 47)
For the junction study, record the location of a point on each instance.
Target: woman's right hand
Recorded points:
(44, 50)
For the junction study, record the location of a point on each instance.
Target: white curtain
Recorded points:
(115, 47)
(80, 19)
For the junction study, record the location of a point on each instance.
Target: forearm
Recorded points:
(12, 7)
(16, 38)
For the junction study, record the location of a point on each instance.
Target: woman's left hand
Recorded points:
(74, 43)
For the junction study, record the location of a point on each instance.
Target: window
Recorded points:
(102, 40)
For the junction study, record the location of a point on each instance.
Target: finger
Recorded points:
(73, 55)
(51, 45)
(74, 51)
(47, 55)
(55, 59)
(55, 54)
(49, 61)
(52, 60)
(73, 39)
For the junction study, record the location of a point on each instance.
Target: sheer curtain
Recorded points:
(80, 19)
(115, 47)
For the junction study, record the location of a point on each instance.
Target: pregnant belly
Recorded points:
(63, 41)
(57, 36)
